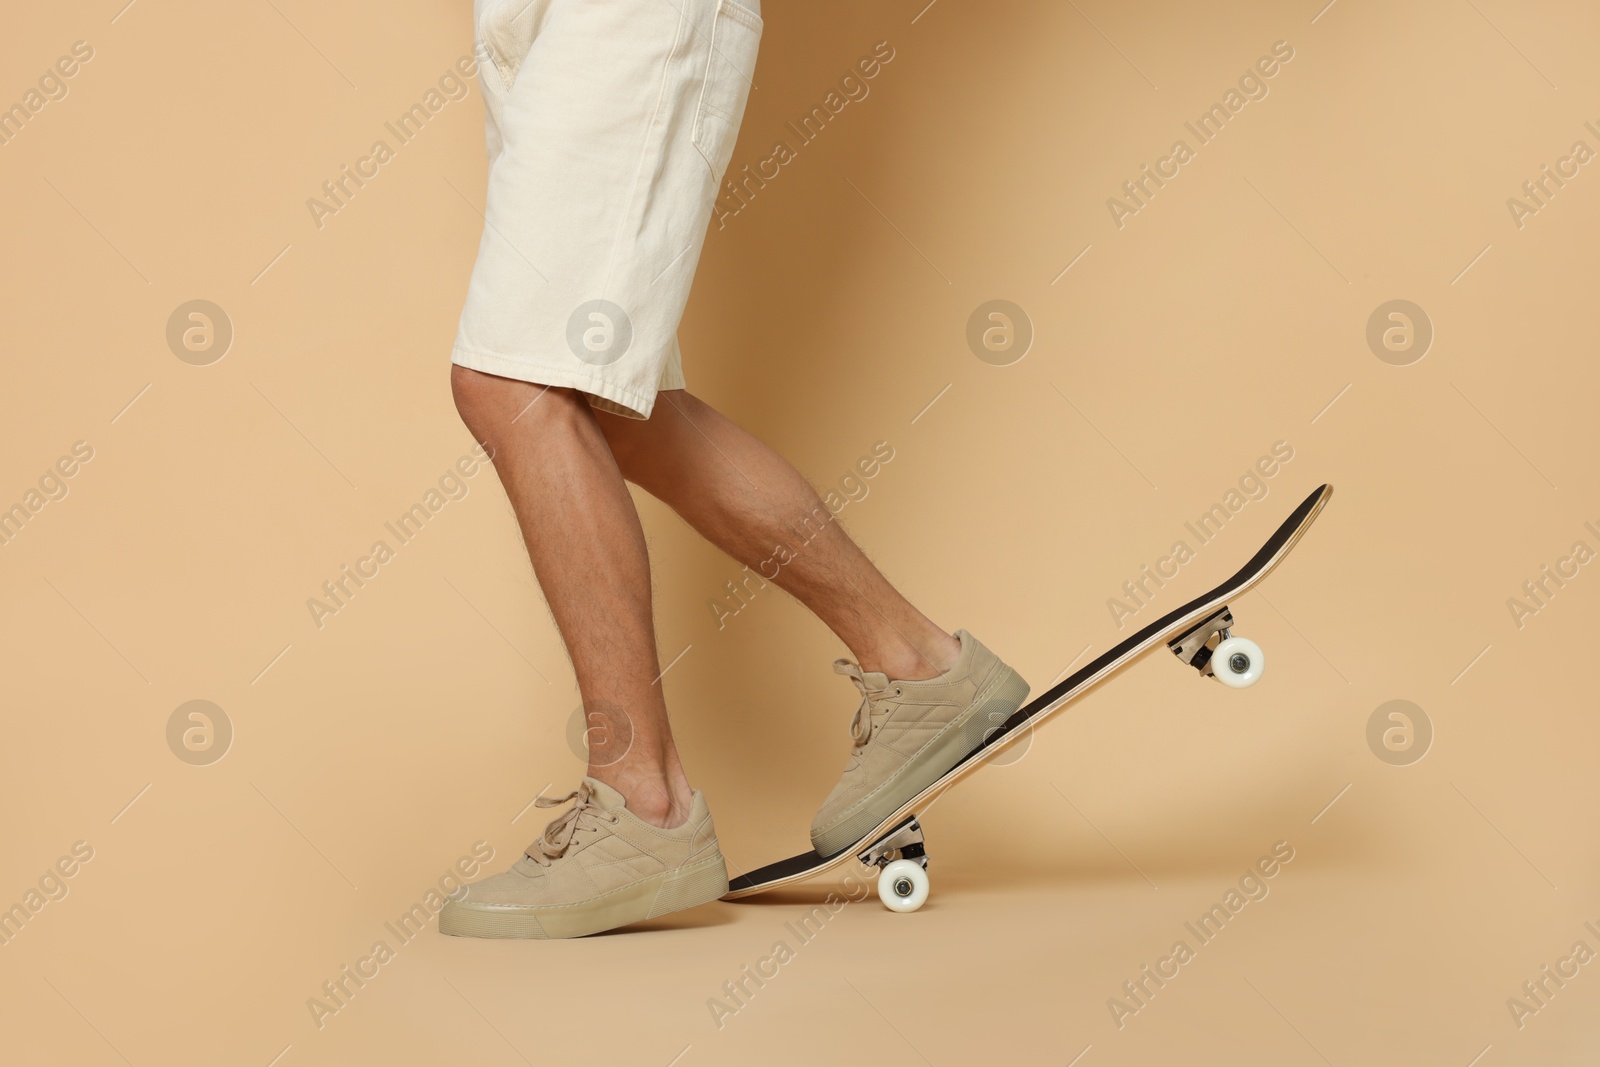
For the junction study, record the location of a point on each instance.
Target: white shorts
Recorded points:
(610, 124)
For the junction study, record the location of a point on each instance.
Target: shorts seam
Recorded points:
(533, 372)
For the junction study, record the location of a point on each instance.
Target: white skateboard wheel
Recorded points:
(1238, 662)
(903, 885)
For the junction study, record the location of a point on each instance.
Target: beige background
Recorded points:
(1227, 315)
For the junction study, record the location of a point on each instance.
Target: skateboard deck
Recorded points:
(1197, 632)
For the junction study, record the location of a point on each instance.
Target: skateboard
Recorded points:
(1199, 633)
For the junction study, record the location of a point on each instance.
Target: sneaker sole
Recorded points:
(660, 894)
(958, 740)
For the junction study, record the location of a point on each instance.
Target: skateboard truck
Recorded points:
(906, 839)
(902, 857)
(1211, 644)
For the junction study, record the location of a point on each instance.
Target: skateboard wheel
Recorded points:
(903, 885)
(1238, 662)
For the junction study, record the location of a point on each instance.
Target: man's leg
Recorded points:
(589, 554)
(747, 500)
(929, 698)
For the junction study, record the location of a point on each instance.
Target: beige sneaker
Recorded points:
(907, 734)
(595, 868)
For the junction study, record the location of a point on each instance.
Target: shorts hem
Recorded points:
(628, 403)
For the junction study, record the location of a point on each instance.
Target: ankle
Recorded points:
(657, 808)
(661, 798)
(914, 663)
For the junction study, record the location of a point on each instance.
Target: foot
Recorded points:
(598, 866)
(907, 734)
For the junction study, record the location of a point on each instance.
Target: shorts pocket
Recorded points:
(735, 38)
(506, 29)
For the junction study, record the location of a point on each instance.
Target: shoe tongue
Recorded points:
(875, 681)
(604, 797)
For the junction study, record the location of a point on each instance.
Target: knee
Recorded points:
(493, 407)
(476, 395)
